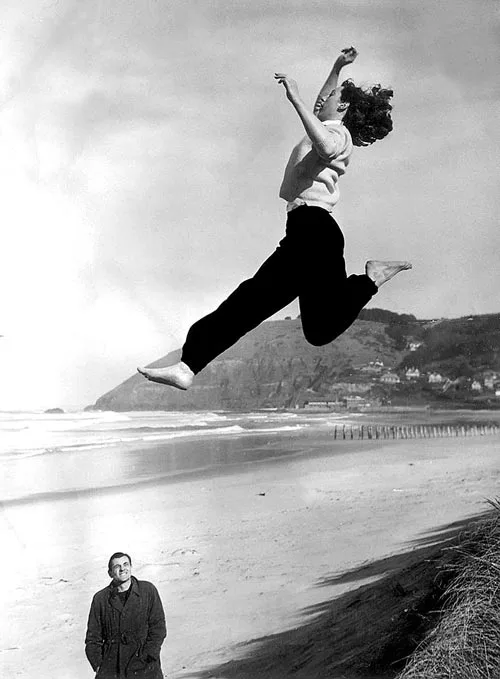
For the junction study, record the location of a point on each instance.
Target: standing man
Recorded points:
(126, 626)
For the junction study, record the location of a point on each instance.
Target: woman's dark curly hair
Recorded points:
(368, 117)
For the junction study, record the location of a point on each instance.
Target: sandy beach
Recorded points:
(236, 554)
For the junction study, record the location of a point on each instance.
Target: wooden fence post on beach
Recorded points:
(418, 431)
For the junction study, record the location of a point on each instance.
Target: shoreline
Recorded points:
(117, 466)
(285, 449)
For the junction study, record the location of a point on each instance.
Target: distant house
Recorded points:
(476, 386)
(412, 373)
(490, 379)
(321, 404)
(356, 402)
(435, 378)
(390, 378)
(413, 346)
(373, 368)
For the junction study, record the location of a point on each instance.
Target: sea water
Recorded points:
(42, 453)
(50, 455)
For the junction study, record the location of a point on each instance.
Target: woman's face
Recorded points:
(330, 110)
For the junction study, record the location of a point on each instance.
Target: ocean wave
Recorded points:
(38, 433)
(217, 431)
(277, 430)
(169, 435)
(34, 434)
(25, 454)
(103, 441)
(141, 435)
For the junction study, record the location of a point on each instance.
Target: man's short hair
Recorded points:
(118, 555)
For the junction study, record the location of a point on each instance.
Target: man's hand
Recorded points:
(291, 87)
(347, 56)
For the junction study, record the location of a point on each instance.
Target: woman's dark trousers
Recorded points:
(309, 264)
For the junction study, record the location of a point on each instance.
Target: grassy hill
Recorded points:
(273, 366)
(460, 347)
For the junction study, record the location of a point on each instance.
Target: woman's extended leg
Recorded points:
(308, 263)
(273, 286)
(256, 299)
(330, 301)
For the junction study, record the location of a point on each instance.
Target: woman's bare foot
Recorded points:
(178, 375)
(381, 272)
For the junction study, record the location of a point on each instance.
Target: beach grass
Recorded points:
(465, 643)
(434, 614)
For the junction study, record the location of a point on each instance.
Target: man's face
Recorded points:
(121, 570)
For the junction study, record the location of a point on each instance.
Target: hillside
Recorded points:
(460, 347)
(273, 366)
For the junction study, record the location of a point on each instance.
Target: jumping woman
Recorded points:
(309, 261)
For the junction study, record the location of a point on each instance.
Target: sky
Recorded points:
(142, 148)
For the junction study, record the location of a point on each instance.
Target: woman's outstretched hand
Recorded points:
(291, 87)
(347, 56)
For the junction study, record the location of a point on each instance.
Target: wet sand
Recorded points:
(235, 555)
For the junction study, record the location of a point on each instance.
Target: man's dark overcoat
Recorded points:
(124, 641)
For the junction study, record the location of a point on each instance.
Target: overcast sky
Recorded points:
(142, 147)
